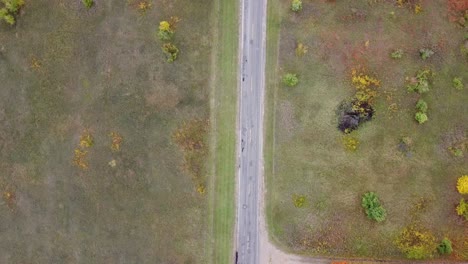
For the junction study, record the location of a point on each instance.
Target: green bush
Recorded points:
(290, 79)
(445, 247)
(457, 83)
(420, 83)
(426, 53)
(88, 3)
(374, 210)
(421, 105)
(420, 117)
(296, 5)
(9, 9)
(397, 54)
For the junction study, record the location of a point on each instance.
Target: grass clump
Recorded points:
(290, 79)
(299, 200)
(421, 117)
(350, 143)
(397, 54)
(420, 83)
(445, 247)
(457, 83)
(301, 49)
(88, 3)
(416, 242)
(426, 53)
(9, 10)
(371, 204)
(296, 5)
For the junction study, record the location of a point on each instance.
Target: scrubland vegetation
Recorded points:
(374, 134)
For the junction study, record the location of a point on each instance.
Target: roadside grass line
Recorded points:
(272, 51)
(223, 132)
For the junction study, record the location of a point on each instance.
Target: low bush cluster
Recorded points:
(374, 210)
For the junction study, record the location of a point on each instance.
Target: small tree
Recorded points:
(296, 5)
(371, 204)
(290, 79)
(445, 247)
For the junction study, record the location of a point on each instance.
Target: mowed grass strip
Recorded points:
(224, 130)
(273, 34)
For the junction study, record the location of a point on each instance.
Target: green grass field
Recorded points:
(305, 154)
(65, 69)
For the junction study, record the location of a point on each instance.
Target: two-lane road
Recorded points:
(250, 139)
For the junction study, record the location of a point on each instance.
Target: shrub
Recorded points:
(88, 3)
(299, 200)
(397, 54)
(421, 106)
(462, 209)
(425, 53)
(462, 184)
(420, 83)
(420, 117)
(171, 51)
(415, 242)
(445, 247)
(374, 210)
(457, 83)
(296, 5)
(290, 79)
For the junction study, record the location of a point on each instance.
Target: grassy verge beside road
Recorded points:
(224, 112)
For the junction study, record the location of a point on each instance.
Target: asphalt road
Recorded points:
(250, 139)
